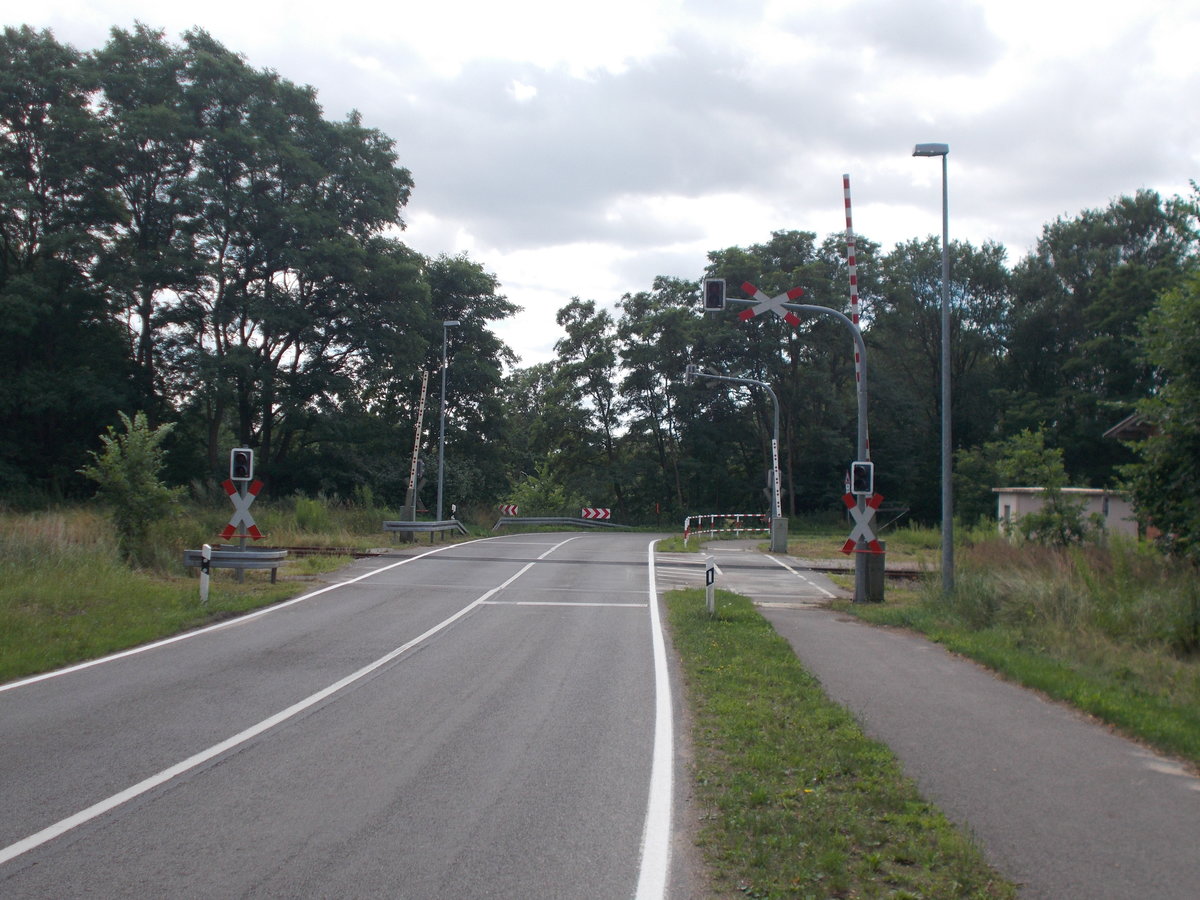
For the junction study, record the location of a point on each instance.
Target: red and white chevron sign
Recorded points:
(593, 513)
(508, 509)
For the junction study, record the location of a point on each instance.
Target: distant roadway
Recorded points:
(489, 719)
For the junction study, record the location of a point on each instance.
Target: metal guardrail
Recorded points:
(553, 520)
(431, 527)
(236, 558)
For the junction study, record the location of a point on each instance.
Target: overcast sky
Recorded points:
(580, 149)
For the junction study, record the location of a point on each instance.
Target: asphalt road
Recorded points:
(490, 719)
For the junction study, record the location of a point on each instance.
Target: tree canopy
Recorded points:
(185, 236)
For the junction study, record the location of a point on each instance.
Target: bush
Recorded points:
(128, 471)
(1060, 522)
(312, 516)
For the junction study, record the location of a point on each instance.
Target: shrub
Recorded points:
(312, 516)
(128, 471)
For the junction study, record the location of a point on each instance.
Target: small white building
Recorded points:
(1014, 502)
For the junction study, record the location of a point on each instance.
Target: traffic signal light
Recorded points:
(862, 478)
(241, 464)
(690, 373)
(714, 294)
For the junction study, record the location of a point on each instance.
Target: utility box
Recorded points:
(875, 575)
(779, 535)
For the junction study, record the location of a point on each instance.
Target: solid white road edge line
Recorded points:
(98, 809)
(656, 836)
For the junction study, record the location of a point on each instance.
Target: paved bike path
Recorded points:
(1059, 803)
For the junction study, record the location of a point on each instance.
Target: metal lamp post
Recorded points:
(778, 523)
(448, 324)
(943, 150)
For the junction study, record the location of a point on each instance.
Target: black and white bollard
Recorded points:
(205, 561)
(710, 581)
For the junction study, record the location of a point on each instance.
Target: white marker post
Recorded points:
(710, 581)
(205, 562)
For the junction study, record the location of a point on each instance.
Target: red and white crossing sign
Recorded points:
(771, 304)
(594, 513)
(241, 518)
(508, 509)
(862, 523)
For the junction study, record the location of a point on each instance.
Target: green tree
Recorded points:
(904, 341)
(810, 367)
(1078, 302)
(544, 494)
(586, 373)
(128, 471)
(63, 363)
(477, 429)
(293, 210)
(1165, 480)
(656, 333)
(151, 140)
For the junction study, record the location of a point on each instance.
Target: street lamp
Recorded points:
(778, 523)
(448, 324)
(943, 150)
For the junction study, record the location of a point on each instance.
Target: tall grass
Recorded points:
(1122, 591)
(66, 595)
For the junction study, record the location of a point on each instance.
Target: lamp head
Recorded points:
(931, 150)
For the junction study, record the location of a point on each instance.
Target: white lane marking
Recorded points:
(562, 603)
(590, 591)
(803, 577)
(656, 835)
(107, 805)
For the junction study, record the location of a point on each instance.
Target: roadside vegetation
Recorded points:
(69, 591)
(798, 802)
(1112, 628)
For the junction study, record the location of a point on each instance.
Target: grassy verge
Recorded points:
(802, 803)
(65, 595)
(1147, 695)
(904, 544)
(1111, 630)
(79, 605)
